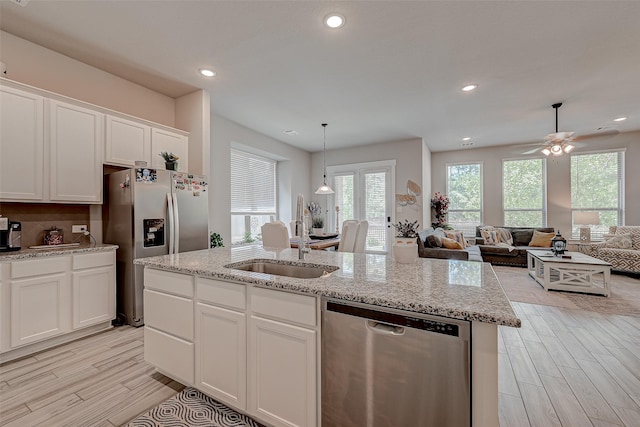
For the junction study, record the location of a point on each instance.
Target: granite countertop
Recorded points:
(68, 250)
(464, 290)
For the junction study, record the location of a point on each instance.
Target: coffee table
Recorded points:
(579, 273)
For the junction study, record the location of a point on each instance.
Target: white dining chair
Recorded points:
(351, 239)
(275, 235)
(361, 237)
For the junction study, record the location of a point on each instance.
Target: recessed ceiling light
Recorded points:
(206, 72)
(334, 20)
(469, 88)
(290, 132)
(620, 119)
(466, 138)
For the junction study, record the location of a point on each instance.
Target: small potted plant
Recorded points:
(405, 247)
(216, 240)
(170, 161)
(318, 225)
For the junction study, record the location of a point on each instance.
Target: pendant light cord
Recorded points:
(324, 150)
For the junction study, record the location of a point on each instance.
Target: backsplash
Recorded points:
(38, 217)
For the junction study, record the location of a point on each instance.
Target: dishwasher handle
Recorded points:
(384, 328)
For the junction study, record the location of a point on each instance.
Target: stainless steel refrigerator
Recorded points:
(149, 212)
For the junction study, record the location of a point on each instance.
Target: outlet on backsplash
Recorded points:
(78, 229)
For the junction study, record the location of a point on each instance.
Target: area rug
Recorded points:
(192, 408)
(624, 298)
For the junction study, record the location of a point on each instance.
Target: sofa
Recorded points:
(515, 256)
(621, 258)
(471, 253)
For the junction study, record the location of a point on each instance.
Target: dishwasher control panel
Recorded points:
(396, 319)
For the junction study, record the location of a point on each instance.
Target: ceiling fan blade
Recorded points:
(603, 133)
(533, 150)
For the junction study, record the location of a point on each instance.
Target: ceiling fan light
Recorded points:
(556, 149)
(568, 148)
(546, 151)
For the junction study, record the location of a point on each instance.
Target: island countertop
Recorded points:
(464, 290)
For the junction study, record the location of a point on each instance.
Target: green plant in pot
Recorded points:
(406, 229)
(405, 247)
(317, 224)
(170, 160)
(215, 240)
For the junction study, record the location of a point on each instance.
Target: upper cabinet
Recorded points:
(76, 140)
(126, 141)
(21, 144)
(52, 148)
(172, 142)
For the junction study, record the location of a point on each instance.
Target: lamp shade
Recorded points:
(586, 218)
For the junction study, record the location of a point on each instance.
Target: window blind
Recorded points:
(523, 193)
(464, 188)
(253, 184)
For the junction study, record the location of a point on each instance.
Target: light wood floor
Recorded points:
(564, 367)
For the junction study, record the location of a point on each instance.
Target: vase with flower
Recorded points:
(170, 161)
(440, 205)
(317, 220)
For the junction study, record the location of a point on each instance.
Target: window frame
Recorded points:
(466, 232)
(544, 210)
(620, 209)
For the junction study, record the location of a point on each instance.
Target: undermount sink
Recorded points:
(278, 268)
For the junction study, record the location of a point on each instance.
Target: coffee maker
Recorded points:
(10, 235)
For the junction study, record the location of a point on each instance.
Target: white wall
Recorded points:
(408, 155)
(558, 177)
(293, 171)
(37, 66)
(193, 114)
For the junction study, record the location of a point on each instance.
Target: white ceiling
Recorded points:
(393, 72)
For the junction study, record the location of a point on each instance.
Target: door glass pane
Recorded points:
(375, 196)
(344, 196)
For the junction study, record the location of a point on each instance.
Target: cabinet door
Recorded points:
(221, 354)
(126, 142)
(171, 355)
(282, 373)
(39, 308)
(76, 141)
(21, 145)
(162, 140)
(94, 296)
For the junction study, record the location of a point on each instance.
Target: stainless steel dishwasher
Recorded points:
(383, 367)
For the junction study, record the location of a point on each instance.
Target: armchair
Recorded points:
(621, 259)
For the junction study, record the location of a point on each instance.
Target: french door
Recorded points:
(363, 191)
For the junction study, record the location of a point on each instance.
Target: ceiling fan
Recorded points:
(559, 143)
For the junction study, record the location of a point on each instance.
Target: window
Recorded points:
(597, 185)
(464, 188)
(253, 195)
(523, 193)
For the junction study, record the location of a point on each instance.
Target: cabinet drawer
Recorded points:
(101, 259)
(171, 355)
(284, 305)
(222, 293)
(169, 313)
(37, 267)
(166, 281)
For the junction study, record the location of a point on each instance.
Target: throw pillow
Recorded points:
(450, 243)
(489, 236)
(434, 241)
(505, 236)
(456, 235)
(619, 241)
(541, 240)
(522, 237)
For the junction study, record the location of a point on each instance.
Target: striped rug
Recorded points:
(192, 408)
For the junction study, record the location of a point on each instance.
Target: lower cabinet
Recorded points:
(221, 337)
(40, 308)
(255, 349)
(282, 373)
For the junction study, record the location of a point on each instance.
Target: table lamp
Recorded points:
(586, 219)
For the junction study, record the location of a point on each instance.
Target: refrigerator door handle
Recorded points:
(171, 223)
(176, 232)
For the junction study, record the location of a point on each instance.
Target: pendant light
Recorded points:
(324, 188)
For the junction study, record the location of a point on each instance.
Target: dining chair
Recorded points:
(348, 236)
(275, 235)
(361, 237)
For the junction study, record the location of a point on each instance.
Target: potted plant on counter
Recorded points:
(405, 247)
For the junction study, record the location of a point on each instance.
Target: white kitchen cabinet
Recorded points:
(126, 141)
(40, 308)
(169, 318)
(171, 142)
(221, 339)
(21, 145)
(76, 142)
(282, 373)
(94, 289)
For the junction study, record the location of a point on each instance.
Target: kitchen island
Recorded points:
(252, 340)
